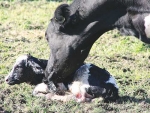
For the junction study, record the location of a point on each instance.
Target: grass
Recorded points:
(22, 28)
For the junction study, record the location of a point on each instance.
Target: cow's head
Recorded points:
(74, 28)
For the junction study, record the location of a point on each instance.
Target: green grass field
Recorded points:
(22, 29)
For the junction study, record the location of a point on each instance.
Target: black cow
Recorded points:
(75, 27)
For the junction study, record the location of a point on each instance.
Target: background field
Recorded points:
(22, 29)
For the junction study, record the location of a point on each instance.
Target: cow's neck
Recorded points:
(100, 16)
(95, 29)
(97, 17)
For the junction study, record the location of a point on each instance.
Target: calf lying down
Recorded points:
(27, 69)
(88, 82)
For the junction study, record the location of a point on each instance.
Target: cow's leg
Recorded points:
(61, 89)
(40, 90)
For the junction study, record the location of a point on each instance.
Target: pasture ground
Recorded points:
(22, 29)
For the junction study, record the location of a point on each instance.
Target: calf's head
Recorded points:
(25, 69)
(74, 28)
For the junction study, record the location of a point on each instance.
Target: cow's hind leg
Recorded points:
(96, 91)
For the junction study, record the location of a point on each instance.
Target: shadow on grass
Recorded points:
(125, 99)
(124, 102)
(143, 97)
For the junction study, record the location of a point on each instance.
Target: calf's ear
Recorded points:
(62, 14)
(35, 67)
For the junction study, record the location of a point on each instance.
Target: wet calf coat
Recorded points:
(88, 82)
(27, 69)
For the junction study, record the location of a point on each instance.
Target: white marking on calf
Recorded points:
(75, 87)
(112, 81)
(18, 61)
(78, 87)
(40, 89)
(147, 26)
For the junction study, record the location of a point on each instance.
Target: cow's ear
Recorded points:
(62, 13)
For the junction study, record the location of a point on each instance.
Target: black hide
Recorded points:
(28, 69)
(75, 27)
